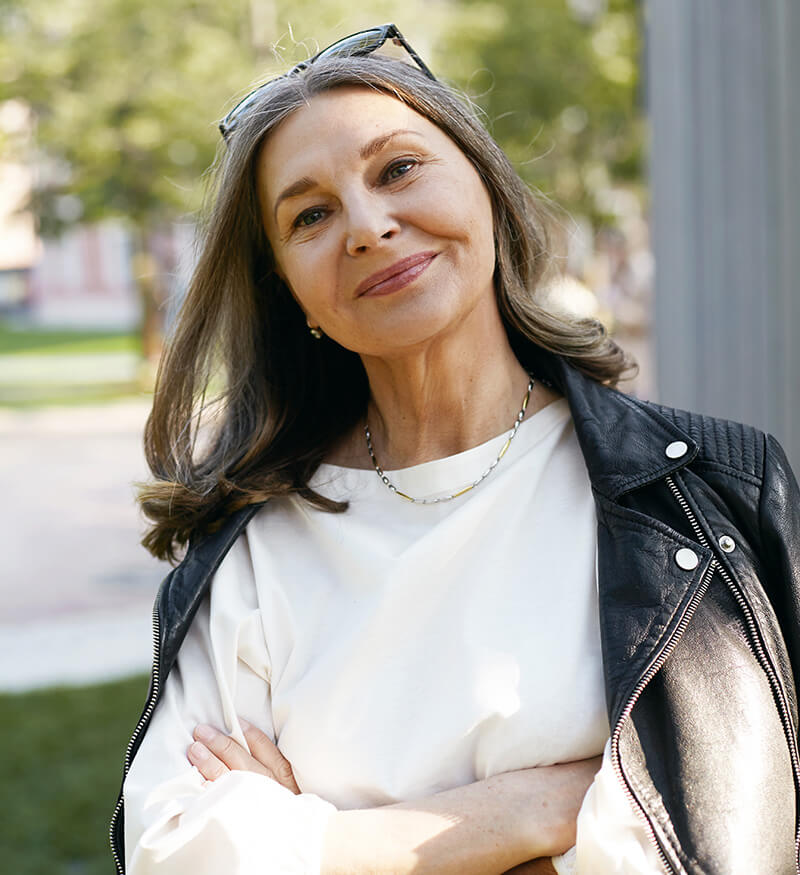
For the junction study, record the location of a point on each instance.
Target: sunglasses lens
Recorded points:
(228, 123)
(359, 44)
(248, 101)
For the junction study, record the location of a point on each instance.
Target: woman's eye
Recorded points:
(309, 217)
(399, 168)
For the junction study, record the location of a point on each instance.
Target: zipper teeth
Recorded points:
(155, 684)
(638, 689)
(688, 511)
(777, 692)
(756, 646)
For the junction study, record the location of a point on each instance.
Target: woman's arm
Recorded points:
(488, 826)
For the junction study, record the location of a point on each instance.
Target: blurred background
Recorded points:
(666, 133)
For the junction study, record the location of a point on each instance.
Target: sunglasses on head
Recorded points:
(365, 42)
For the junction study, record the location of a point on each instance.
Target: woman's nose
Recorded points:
(368, 223)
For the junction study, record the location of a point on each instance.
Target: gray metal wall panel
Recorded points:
(723, 84)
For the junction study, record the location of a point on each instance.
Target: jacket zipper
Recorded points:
(756, 645)
(651, 672)
(155, 685)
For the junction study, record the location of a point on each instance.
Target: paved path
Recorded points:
(79, 648)
(75, 585)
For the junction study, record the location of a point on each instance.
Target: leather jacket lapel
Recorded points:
(643, 595)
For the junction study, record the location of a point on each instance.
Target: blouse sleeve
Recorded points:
(611, 837)
(242, 823)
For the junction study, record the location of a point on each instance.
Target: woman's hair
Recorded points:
(247, 403)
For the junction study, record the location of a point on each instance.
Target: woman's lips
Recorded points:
(395, 277)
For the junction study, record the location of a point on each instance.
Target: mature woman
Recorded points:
(449, 599)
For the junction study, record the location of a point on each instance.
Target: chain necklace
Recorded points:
(392, 488)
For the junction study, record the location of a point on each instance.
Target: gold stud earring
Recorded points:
(314, 330)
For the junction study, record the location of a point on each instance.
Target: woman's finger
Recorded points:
(227, 751)
(266, 752)
(205, 762)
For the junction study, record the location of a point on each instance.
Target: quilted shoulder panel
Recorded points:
(733, 445)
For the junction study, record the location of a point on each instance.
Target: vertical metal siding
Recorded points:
(723, 88)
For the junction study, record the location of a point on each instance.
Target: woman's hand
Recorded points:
(213, 754)
(555, 807)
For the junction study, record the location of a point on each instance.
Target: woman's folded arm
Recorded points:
(489, 826)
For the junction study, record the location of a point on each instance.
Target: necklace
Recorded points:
(392, 488)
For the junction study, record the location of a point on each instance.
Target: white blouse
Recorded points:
(392, 652)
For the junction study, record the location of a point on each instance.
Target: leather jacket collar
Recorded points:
(624, 441)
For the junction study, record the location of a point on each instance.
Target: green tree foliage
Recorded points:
(125, 93)
(124, 96)
(560, 91)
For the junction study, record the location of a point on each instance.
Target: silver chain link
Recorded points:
(392, 488)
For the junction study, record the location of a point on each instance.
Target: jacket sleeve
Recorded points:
(779, 513)
(242, 823)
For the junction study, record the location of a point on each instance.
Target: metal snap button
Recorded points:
(727, 543)
(687, 559)
(676, 449)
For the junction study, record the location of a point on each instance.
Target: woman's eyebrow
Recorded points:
(301, 186)
(306, 183)
(374, 146)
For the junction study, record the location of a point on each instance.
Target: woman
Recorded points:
(436, 566)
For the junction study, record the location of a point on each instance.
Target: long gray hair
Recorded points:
(280, 398)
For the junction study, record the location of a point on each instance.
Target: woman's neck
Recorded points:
(455, 394)
(441, 403)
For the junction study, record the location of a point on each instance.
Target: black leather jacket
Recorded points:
(699, 582)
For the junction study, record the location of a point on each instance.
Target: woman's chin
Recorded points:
(413, 322)
(403, 337)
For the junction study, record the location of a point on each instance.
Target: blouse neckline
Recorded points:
(446, 475)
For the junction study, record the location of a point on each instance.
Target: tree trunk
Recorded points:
(148, 274)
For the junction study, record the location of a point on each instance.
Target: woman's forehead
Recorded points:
(337, 124)
(350, 110)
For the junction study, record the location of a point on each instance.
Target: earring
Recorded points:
(314, 330)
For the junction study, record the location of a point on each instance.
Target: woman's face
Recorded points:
(378, 222)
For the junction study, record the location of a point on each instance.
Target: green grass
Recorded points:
(65, 342)
(28, 397)
(60, 771)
